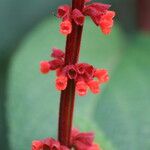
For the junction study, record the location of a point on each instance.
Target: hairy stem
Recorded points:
(67, 98)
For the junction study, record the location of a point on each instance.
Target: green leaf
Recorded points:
(32, 99)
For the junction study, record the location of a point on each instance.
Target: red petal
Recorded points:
(94, 147)
(61, 83)
(86, 138)
(81, 88)
(57, 53)
(102, 75)
(63, 10)
(95, 11)
(94, 86)
(65, 27)
(44, 67)
(78, 17)
(56, 63)
(71, 71)
(37, 145)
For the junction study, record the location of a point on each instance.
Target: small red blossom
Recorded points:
(102, 75)
(78, 17)
(63, 11)
(71, 71)
(86, 1)
(95, 11)
(65, 27)
(81, 88)
(89, 72)
(47, 144)
(94, 86)
(61, 82)
(81, 140)
(107, 22)
(37, 145)
(44, 67)
(81, 67)
(59, 72)
(57, 53)
(94, 147)
(56, 63)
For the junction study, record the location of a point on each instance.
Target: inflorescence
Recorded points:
(98, 12)
(85, 75)
(79, 141)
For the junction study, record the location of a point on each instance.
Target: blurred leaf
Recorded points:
(32, 99)
(123, 109)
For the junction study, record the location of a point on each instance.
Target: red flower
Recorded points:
(65, 27)
(47, 144)
(63, 11)
(78, 17)
(61, 82)
(37, 145)
(57, 53)
(94, 86)
(95, 11)
(81, 88)
(81, 68)
(89, 72)
(44, 67)
(56, 63)
(59, 72)
(106, 22)
(94, 147)
(102, 75)
(71, 71)
(81, 140)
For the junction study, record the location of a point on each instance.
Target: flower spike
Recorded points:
(72, 76)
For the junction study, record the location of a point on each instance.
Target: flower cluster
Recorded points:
(79, 141)
(84, 75)
(98, 12)
(47, 144)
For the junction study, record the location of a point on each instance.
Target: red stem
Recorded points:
(144, 14)
(68, 95)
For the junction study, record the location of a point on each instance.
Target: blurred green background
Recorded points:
(28, 100)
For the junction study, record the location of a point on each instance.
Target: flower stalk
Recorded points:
(67, 98)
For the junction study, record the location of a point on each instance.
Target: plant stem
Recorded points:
(68, 95)
(143, 14)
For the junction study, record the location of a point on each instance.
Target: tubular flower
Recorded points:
(37, 145)
(61, 82)
(94, 86)
(106, 22)
(44, 67)
(63, 11)
(81, 88)
(81, 140)
(65, 27)
(94, 147)
(78, 17)
(47, 144)
(71, 71)
(57, 53)
(102, 75)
